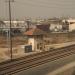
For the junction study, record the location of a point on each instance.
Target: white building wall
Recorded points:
(31, 42)
(72, 27)
(15, 24)
(34, 41)
(54, 26)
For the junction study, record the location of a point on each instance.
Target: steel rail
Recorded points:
(38, 63)
(29, 59)
(39, 59)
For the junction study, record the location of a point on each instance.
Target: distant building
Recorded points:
(55, 27)
(35, 38)
(55, 24)
(15, 24)
(70, 24)
(2, 24)
(44, 27)
(45, 34)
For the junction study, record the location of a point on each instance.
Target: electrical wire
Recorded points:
(13, 11)
(42, 5)
(52, 2)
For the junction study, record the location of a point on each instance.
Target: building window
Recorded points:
(38, 46)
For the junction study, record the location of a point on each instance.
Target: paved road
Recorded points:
(47, 68)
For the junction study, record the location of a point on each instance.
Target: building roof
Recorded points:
(35, 31)
(44, 27)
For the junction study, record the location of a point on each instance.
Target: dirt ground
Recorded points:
(5, 44)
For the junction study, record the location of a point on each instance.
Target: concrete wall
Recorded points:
(31, 42)
(57, 38)
(34, 41)
(40, 42)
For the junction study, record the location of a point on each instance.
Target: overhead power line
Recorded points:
(42, 5)
(48, 2)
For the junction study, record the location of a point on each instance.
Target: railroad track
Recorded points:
(30, 61)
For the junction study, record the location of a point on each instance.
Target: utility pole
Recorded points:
(10, 35)
(10, 38)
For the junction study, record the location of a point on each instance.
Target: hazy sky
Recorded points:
(38, 8)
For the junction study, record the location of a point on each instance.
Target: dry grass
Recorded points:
(15, 41)
(21, 41)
